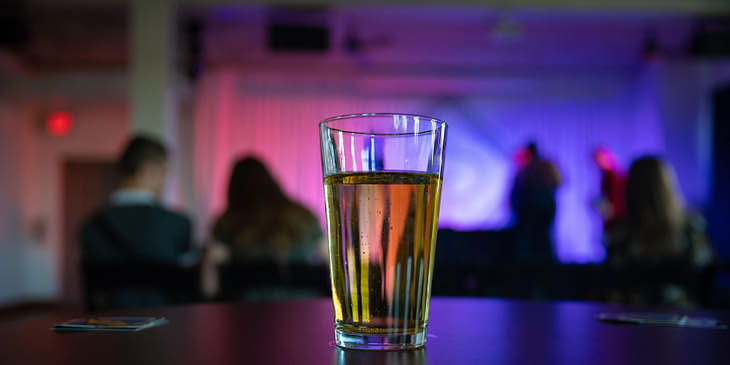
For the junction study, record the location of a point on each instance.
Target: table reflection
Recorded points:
(356, 357)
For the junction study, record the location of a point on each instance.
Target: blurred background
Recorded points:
(216, 80)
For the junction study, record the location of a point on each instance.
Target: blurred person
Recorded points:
(658, 230)
(611, 203)
(261, 225)
(533, 204)
(134, 226)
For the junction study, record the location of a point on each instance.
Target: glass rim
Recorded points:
(326, 121)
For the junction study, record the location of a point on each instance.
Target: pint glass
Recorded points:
(382, 184)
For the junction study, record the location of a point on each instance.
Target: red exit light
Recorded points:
(59, 123)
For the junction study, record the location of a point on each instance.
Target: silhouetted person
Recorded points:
(658, 230)
(134, 227)
(611, 203)
(532, 200)
(262, 225)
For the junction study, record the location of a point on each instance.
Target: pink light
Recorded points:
(604, 159)
(522, 157)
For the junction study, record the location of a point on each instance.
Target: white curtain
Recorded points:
(275, 115)
(237, 115)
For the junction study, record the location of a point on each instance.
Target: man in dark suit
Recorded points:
(135, 228)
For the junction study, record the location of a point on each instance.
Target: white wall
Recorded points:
(16, 250)
(31, 171)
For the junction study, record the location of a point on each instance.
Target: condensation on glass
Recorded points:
(382, 182)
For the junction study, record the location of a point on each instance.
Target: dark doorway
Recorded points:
(86, 186)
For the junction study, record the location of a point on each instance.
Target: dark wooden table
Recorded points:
(461, 331)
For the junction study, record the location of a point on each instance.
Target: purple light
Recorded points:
(569, 115)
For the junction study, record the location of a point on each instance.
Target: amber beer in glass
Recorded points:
(382, 185)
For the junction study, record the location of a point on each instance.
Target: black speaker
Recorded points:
(14, 32)
(299, 28)
(298, 37)
(711, 38)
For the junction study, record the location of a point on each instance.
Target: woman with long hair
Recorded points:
(658, 229)
(655, 211)
(658, 226)
(261, 224)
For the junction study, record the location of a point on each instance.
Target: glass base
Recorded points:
(390, 341)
